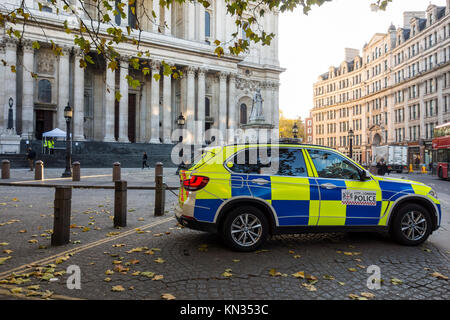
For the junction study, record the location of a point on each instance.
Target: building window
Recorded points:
(117, 17)
(243, 113)
(207, 24)
(131, 15)
(207, 108)
(44, 91)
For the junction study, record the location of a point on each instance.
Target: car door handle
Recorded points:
(328, 186)
(260, 181)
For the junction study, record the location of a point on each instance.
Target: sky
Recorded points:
(309, 45)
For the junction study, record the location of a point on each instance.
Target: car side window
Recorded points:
(246, 161)
(331, 165)
(289, 162)
(270, 161)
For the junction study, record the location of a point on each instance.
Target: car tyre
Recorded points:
(245, 229)
(411, 225)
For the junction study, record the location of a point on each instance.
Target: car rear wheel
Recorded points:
(411, 225)
(245, 229)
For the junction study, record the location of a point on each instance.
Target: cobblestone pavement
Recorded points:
(154, 256)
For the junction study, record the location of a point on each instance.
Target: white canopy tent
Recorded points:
(55, 133)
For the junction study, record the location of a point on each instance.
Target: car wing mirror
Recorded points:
(363, 175)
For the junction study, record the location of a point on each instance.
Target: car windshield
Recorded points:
(202, 158)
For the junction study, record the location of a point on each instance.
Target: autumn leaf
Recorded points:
(107, 279)
(167, 296)
(300, 274)
(34, 287)
(117, 288)
(227, 273)
(439, 276)
(16, 290)
(310, 287)
(297, 256)
(159, 260)
(8, 251)
(274, 273)
(4, 243)
(367, 295)
(148, 274)
(328, 277)
(2, 260)
(396, 281)
(109, 272)
(158, 277)
(352, 269)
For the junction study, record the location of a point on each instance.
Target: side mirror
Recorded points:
(363, 175)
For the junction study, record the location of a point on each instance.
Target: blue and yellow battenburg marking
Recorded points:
(301, 201)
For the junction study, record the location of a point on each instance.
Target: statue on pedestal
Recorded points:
(256, 116)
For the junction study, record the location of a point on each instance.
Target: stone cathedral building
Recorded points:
(213, 92)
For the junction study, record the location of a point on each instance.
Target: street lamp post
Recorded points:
(180, 122)
(350, 136)
(10, 114)
(295, 130)
(68, 115)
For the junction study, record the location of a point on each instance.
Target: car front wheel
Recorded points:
(245, 229)
(411, 225)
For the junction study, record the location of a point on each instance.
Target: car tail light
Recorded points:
(195, 183)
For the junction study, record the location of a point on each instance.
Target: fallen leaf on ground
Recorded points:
(227, 273)
(439, 276)
(2, 260)
(107, 279)
(4, 243)
(148, 274)
(158, 277)
(310, 287)
(159, 260)
(396, 281)
(328, 277)
(297, 256)
(117, 288)
(300, 274)
(352, 269)
(168, 296)
(274, 273)
(109, 272)
(367, 295)
(8, 251)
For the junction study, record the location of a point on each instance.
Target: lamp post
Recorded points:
(68, 115)
(10, 114)
(180, 122)
(350, 136)
(295, 130)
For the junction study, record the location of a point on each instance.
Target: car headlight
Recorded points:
(432, 193)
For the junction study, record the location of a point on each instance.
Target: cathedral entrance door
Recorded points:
(44, 122)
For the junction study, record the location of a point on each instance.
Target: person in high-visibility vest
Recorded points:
(45, 145)
(51, 145)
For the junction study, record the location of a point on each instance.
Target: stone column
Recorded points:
(154, 137)
(2, 90)
(201, 87)
(167, 107)
(63, 87)
(27, 90)
(10, 79)
(201, 22)
(190, 104)
(168, 19)
(143, 114)
(78, 101)
(267, 103)
(123, 104)
(222, 104)
(191, 21)
(156, 9)
(109, 116)
(232, 108)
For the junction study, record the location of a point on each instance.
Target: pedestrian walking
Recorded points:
(144, 161)
(31, 156)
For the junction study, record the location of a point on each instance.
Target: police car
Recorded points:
(249, 192)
